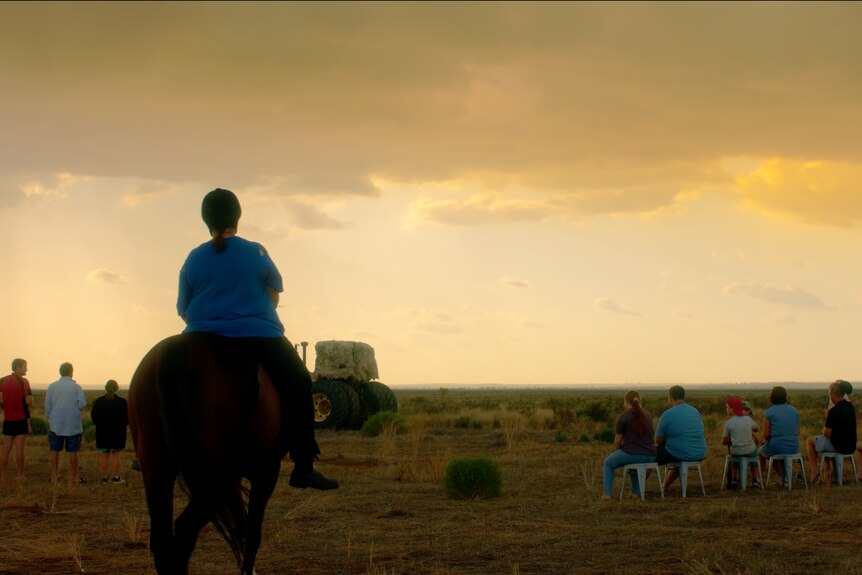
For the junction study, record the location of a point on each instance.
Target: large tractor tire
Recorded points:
(386, 400)
(353, 422)
(368, 405)
(333, 406)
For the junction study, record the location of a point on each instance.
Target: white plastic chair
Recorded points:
(839, 464)
(788, 460)
(743, 462)
(683, 467)
(641, 470)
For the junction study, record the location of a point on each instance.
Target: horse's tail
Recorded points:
(180, 389)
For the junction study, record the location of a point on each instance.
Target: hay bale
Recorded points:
(345, 360)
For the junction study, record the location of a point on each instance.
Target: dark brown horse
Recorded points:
(200, 409)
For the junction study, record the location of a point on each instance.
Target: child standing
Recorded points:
(110, 415)
(738, 433)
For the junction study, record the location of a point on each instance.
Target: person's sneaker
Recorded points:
(117, 479)
(314, 480)
(104, 480)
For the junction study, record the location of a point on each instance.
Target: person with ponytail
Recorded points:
(633, 441)
(230, 286)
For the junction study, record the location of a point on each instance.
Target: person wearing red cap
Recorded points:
(738, 433)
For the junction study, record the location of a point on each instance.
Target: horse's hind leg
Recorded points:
(262, 486)
(160, 502)
(188, 526)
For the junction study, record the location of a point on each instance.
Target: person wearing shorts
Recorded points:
(839, 432)
(16, 399)
(64, 401)
(110, 415)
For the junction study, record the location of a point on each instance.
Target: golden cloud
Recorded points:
(816, 192)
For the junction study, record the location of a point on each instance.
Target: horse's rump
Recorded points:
(199, 410)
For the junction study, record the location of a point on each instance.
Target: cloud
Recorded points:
(146, 192)
(783, 319)
(604, 304)
(513, 283)
(479, 209)
(308, 217)
(587, 108)
(104, 276)
(788, 295)
(432, 321)
(440, 328)
(58, 187)
(815, 192)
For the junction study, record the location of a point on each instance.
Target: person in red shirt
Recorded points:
(16, 400)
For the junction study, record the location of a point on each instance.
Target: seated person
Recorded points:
(780, 430)
(738, 435)
(633, 440)
(680, 435)
(839, 432)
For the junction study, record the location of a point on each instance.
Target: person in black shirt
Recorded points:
(110, 414)
(839, 432)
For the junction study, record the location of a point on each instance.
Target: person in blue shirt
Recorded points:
(680, 434)
(64, 401)
(780, 430)
(230, 286)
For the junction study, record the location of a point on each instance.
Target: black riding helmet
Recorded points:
(220, 209)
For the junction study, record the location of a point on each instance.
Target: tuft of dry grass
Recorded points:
(134, 525)
(76, 545)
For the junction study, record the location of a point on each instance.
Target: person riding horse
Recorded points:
(230, 286)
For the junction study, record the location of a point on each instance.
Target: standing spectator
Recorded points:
(16, 400)
(780, 430)
(110, 415)
(633, 440)
(839, 432)
(64, 401)
(680, 435)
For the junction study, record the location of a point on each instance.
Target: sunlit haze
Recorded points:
(486, 193)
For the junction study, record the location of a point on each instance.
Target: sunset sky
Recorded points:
(486, 193)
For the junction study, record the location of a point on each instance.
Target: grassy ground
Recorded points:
(391, 515)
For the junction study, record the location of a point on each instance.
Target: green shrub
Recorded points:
(606, 435)
(466, 422)
(473, 478)
(40, 426)
(596, 411)
(560, 437)
(564, 411)
(381, 420)
(585, 438)
(89, 433)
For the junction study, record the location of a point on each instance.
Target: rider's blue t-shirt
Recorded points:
(226, 292)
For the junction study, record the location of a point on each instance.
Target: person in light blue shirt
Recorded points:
(64, 401)
(680, 434)
(780, 429)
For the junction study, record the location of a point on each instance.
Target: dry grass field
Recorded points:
(391, 515)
